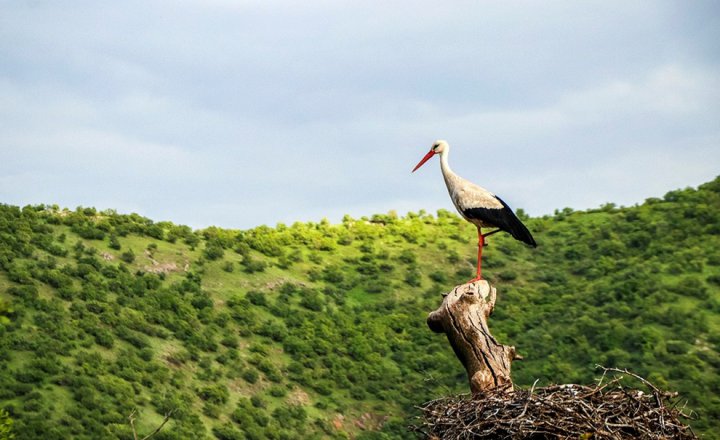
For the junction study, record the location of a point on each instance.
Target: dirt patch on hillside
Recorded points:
(159, 268)
(367, 421)
(370, 421)
(272, 285)
(298, 397)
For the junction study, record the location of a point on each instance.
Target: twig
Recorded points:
(165, 420)
(529, 399)
(131, 417)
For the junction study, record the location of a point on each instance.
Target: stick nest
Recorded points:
(602, 411)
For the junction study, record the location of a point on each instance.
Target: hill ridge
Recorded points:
(318, 329)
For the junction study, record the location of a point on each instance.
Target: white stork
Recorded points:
(477, 205)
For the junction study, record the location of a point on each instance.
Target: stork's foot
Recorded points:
(477, 278)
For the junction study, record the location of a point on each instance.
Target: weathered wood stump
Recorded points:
(462, 316)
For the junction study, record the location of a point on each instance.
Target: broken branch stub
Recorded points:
(462, 316)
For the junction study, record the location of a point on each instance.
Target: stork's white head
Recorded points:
(438, 147)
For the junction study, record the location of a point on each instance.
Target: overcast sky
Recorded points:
(241, 113)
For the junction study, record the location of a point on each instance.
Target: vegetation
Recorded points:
(317, 330)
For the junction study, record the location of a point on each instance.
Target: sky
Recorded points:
(242, 113)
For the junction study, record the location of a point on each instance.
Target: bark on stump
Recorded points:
(462, 316)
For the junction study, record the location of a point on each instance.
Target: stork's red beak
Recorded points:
(424, 159)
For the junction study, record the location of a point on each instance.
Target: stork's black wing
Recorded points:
(503, 218)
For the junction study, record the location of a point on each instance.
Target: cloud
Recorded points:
(241, 113)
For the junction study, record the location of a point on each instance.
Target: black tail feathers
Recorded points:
(515, 227)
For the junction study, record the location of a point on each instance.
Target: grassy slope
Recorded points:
(327, 331)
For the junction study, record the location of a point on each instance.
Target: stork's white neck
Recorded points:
(444, 166)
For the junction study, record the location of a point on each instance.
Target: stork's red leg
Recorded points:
(481, 244)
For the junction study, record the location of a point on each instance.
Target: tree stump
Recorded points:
(462, 316)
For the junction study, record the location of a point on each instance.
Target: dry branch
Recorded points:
(131, 418)
(462, 316)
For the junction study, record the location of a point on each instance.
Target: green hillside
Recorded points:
(318, 330)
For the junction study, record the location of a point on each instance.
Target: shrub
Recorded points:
(508, 275)
(252, 265)
(714, 279)
(311, 300)
(250, 375)
(407, 256)
(128, 256)
(216, 394)
(230, 340)
(438, 277)
(6, 426)
(257, 298)
(413, 277)
(277, 391)
(227, 432)
(258, 402)
(213, 251)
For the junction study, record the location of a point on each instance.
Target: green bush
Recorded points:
(215, 394)
(253, 265)
(6, 426)
(128, 256)
(213, 251)
(250, 375)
